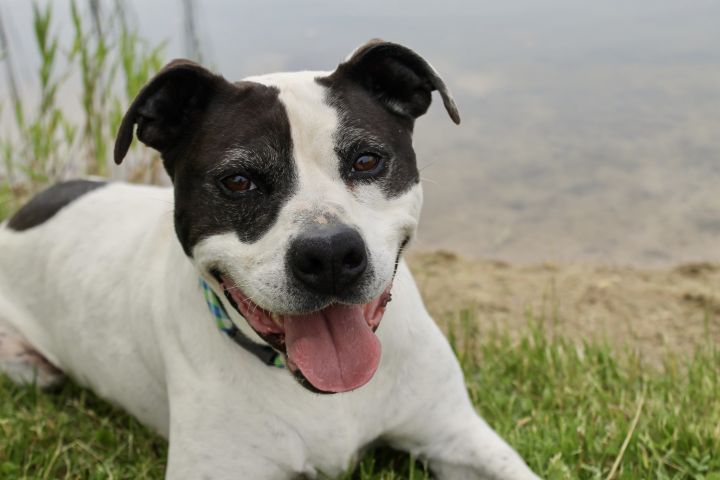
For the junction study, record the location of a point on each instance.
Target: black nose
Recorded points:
(328, 259)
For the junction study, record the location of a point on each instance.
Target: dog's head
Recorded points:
(296, 193)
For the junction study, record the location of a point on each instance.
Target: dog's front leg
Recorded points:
(196, 456)
(465, 448)
(439, 423)
(432, 416)
(211, 437)
(458, 444)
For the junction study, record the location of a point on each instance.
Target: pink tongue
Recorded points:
(334, 348)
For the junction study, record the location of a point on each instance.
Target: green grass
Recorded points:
(43, 141)
(566, 409)
(72, 434)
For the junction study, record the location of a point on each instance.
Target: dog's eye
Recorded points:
(367, 163)
(238, 183)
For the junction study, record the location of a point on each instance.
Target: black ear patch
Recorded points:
(167, 107)
(398, 78)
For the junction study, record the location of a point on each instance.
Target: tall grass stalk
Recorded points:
(6, 196)
(46, 142)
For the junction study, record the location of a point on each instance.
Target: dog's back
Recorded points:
(71, 270)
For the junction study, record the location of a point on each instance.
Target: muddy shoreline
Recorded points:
(653, 311)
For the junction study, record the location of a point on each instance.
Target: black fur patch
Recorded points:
(378, 93)
(207, 129)
(47, 203)
(367, 126)
(245, 131)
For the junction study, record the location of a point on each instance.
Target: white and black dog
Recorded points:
(293, 197)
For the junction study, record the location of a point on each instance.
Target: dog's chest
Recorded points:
(311, 435)
(322, 436)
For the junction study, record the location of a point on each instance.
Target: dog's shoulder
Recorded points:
(47, 203)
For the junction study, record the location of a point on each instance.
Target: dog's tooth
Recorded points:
(277, 319)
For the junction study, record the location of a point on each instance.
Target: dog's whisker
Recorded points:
(424, 167)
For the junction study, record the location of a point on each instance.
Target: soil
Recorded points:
(651, 311)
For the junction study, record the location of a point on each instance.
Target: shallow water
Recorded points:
(590, 132)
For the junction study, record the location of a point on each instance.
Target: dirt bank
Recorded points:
(651, 311)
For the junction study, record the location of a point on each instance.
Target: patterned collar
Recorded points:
(265, 353)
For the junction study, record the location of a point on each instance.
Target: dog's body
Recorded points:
(94, 281)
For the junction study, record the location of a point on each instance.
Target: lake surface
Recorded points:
(590, 132)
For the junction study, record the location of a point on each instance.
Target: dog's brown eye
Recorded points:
(238, 183)
(366, 163)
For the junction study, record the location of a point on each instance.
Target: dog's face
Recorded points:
(296, 193)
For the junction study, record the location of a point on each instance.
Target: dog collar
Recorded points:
(266, 354)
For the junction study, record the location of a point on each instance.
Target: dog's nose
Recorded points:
(328, 259)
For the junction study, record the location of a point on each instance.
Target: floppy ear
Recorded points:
(398, 77)
(166, 107)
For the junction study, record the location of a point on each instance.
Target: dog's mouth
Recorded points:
(334, 349)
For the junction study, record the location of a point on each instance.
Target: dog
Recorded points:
(258, 314)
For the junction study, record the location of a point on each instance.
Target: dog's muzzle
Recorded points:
(330, 345)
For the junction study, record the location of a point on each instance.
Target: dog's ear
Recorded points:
(399, 78)
(167, 106)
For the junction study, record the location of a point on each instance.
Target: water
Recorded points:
(591, 131)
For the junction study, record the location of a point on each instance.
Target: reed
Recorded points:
(45, 140)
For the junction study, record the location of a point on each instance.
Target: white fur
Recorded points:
(107, 294)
